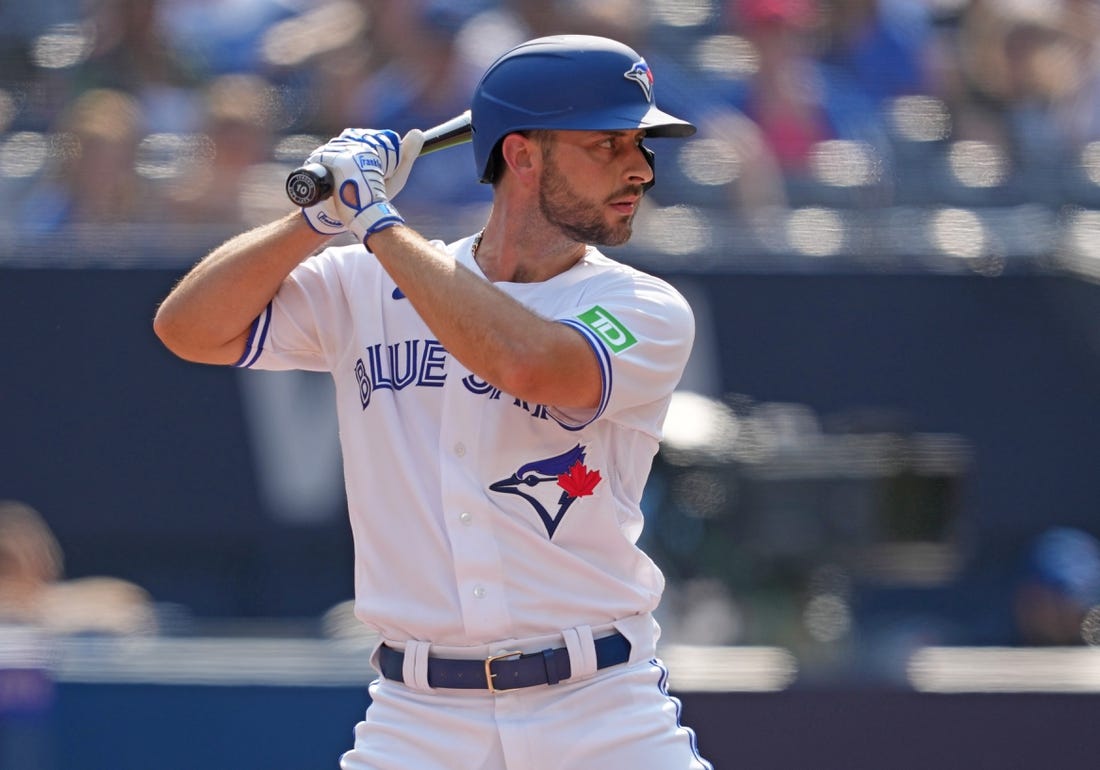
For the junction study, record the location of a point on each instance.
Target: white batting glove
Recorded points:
(411, 144)
(356, 139)
(323, 218)
(360, 161)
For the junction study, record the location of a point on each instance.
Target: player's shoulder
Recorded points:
(601, 264)
(612, 274)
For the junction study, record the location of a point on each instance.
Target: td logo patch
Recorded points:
(608, 328)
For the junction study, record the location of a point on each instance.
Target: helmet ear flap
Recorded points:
(492, 165)
(650, 159)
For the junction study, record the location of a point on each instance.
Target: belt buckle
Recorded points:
(489, 675)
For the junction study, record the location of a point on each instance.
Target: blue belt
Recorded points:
(506, 670)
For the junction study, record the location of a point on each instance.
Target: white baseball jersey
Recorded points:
(477, 516)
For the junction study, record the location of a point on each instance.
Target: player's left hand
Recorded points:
(324, 216)
(410, 147)
(360, 161)
(355, 139)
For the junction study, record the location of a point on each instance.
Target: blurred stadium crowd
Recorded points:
(911, 134)
(966, 128)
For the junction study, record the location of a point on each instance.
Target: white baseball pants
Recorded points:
(621, 717)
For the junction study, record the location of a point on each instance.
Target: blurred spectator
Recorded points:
(90, 175)
(225, 36)
(1049, 597)
(218, 179)
(785, 95)
(130, 51)
(1059, 584)
(1027, 79)
(827, 70)
(875, 50)
(997, 51)
(1078, 111)
(320, 59)
(498, 26)
(30, 561)
(424, 79)
(32, 591)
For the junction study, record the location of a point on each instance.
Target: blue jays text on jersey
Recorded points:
(419, 363)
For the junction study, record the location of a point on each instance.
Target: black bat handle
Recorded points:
(310, 184)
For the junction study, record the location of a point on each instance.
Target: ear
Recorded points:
(522, 156)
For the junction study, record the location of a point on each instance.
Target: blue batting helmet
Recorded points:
(577, 82)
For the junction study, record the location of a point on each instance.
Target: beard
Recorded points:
(579, 218)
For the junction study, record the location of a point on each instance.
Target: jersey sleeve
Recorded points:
(641, 332)
(301, 327)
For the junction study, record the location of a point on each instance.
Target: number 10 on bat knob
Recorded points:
(309, 184)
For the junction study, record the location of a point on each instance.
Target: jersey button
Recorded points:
(479, 592)
(465, 517)
(460, 449)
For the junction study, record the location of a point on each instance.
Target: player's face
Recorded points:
(591, 184)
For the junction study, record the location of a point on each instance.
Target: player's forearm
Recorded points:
(208, 315)
(497, 338)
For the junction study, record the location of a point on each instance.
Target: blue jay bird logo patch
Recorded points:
(573, 480)
(643, 76)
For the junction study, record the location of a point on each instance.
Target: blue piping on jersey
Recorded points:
(261, 324)
(603, 356)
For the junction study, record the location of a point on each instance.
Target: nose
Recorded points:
(643, 173)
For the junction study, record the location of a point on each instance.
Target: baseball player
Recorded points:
(500, 401)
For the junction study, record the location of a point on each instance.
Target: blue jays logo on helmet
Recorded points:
(573, 479)
(641, 74)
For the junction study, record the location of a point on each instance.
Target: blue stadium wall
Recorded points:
(144, 467)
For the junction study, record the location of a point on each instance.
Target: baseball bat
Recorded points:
(312, 183)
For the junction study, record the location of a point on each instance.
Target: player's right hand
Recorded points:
(323, 217)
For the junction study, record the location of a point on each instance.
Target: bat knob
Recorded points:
(309, 184)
